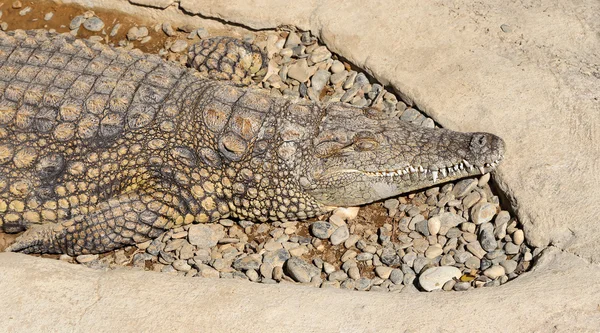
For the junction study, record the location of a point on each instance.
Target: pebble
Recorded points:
(4, 26)
(464, 187)
(340, 235)
(434, 278)
(25, 11)
(362, 284)
(179, 46)
(319, 54)
(347, 213)
(17, 4)
(511, 248)
(319, 80)
(76, 22)
(476, 250)
(292, 40)
(486, 237)
(93, 24)
(434, 251)
(383, 272)
(337, 67)
(462, 286)
(518, 237)
(434, 225)
(300, 270)
(252, 275)
(483, 212)
(321, 229)
(494, 272)
(509, 266)
(276, 258)
(86, 258)
(300, 71)
(205, 236)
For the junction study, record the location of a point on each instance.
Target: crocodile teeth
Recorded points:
(443, 171)
(456, 167)
(420, 168)
(461, 166)
(412, 169)
(435, 175)
(481, 169)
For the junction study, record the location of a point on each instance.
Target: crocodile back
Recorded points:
(67, 108)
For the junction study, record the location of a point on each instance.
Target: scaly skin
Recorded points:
(102, 148)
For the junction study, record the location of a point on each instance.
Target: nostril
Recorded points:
(478, 140)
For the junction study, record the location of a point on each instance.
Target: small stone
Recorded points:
(319, 80)
(338, 275)
(340, 235)
(300, 270)
(473, 263)
(272, 246)
(76, 22)
(390, 257)
(181, 265)
(396, 276)
(266, 270)
(392, 206)
(167, 28)
(434, 278)
(471, 199)
(319, 54)
(202, 33)
(252, 261)
(350, 254)
(132, 33)
(338, 78)
(433, 251)
(337, 220)
(420, 263)
(509, 266)
(292, 40)
(300, 71)
(93, 24)
(354, 273)
(383, 272)
(464, 187)
(321, 229)
(506, 28)
(252, 275)
(486, 237)
(511, 248)
(276, 258)
(527, 256)
(86, 258)
(17, 4)
(476, 250)
(483, 212)
(207, 272)
(115, 30)
(364, 256)
(449, 220)
(462, 286)
(337, 67)
(433, 225)
(494, 272)
(4, 26)
(347, 213)
(205, 236)
(179, 46)
(361, 79)
(518, 237)
(362, 284)
(25, 11)
(422, 227)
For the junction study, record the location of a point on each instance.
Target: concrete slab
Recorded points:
(41, 295)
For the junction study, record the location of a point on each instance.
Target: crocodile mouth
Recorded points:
(434, 174)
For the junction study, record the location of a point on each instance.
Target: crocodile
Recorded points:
(102, 148)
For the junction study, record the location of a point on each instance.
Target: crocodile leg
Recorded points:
(120, 221)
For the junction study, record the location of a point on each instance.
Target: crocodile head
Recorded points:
(364, 155)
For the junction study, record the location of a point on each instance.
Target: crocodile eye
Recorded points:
(365, 144)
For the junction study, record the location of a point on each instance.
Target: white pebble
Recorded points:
(434, 278)
(494, 272)
(518, 237)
